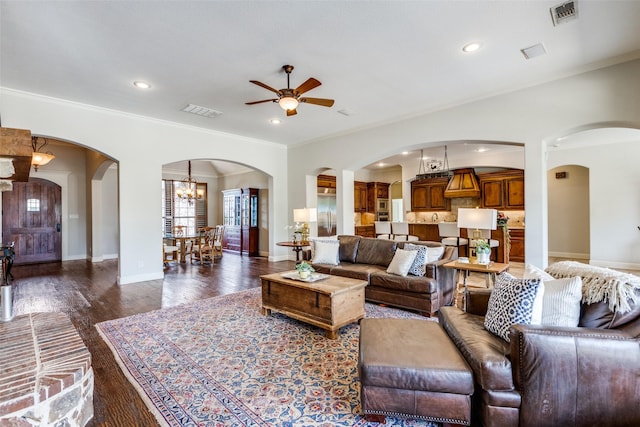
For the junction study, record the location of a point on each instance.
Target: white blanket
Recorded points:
(620, 290)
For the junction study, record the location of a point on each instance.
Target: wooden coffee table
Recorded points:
(329, 303)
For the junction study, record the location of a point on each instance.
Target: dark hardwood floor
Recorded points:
(88, 293)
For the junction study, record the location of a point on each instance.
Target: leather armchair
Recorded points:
(549, 376)
(576, 376)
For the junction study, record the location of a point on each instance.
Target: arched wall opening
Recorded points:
(609, 157)
(221, 175)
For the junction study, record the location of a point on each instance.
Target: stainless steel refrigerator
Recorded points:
(327, 215)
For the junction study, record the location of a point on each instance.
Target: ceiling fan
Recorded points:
(289, 98)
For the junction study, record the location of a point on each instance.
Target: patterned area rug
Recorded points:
(220, 362)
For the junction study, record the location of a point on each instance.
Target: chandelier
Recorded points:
(40, 158)
(188, 190)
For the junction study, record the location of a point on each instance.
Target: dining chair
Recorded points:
(169, 252)
(217, 241)
(202, 250)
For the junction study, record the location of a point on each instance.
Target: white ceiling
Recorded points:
(381, 61)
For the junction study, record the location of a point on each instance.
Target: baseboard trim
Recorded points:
(125, 280)
(571, 255)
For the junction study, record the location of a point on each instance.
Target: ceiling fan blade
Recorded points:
(260, 102)
(255, 82)
(311, 83)
(318, 101)
(291, 112)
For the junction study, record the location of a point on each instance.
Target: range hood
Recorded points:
(464, 183)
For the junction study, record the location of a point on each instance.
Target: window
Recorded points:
(33, 205)
(180, 212)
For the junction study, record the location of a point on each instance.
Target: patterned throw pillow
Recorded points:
(401, 262)
(511, 302)
(418, 266)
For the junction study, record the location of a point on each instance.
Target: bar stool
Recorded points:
(383, 229)
(450, 235)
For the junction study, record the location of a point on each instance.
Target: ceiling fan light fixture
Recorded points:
(288, 103)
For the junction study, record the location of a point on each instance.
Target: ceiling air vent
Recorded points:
(533, 51)
(201, 111)
(564, 12)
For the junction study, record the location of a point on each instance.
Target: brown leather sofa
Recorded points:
(546, 376)
(367, 258)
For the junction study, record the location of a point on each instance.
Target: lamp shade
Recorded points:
(485, 219)
(305, 215)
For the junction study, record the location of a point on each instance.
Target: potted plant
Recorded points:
(483, 251)
(304, 269)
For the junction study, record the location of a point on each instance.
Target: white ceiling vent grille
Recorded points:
(564, 12)
(201, 111)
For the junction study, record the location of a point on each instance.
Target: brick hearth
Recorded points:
(46, 377)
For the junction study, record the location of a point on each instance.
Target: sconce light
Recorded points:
(39, 157)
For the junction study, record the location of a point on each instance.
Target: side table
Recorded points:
(464, 268)
(296, 247)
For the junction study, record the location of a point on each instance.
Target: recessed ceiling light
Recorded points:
(380, 164)
(404, 153)
(481, 150)
(141, 85)
(275, 121)
(471, 47)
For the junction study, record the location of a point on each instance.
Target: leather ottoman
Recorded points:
(410, 368)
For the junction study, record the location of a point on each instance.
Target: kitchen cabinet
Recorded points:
(326, 181)
(240, 220)
(502, 190)
(517, 244)
(365, 230)
(375, 191)
(359, 196)
(428, 195)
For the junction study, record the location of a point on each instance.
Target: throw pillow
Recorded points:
(418, 266)
(313, 240)
(562, 302)
(533, 272)
(326, 252)
(434, 253)
(401, 262)
(511, 302)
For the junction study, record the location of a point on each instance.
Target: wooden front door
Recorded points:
(31, 216)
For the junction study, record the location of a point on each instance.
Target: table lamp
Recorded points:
(305, 216)
(477, 219)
